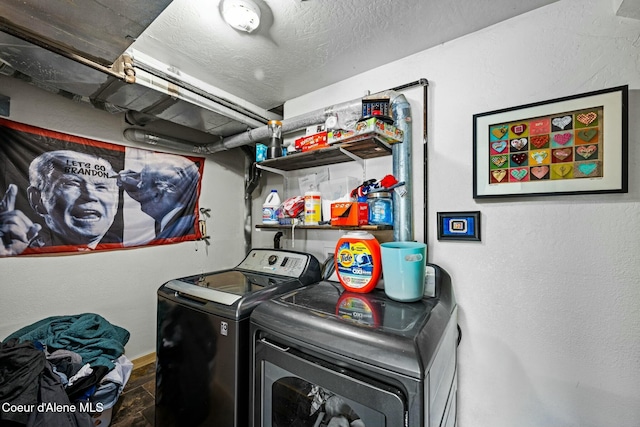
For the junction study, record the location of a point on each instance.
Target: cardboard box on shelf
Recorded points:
(336, 190)
(385, 131)
(349, 213)
(391, 133)
(311, 142)
(340, 135)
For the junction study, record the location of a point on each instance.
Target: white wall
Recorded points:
(120, 285)
(550, 299)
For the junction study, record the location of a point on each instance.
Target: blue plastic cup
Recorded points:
(403, 270)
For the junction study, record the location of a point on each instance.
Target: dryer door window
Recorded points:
(296, 390)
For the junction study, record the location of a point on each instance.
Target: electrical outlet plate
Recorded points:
(430, 281)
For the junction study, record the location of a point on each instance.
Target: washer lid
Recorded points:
(225, 287)
(234, 293)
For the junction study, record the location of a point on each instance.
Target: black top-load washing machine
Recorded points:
(203, 344)
(327, 357)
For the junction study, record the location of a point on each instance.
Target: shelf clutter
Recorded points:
(371, 138)
(349, 206)
(333, 142)
(369, 227)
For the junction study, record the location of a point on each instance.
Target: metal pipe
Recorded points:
(401, 153)
(137, 135)
(425, 136)
(150, 81)
(251, 180)
(137, 118)
(419, 82)
(424, 83)
(180, 79)
(344, 111)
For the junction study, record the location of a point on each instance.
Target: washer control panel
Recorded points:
(275, 261)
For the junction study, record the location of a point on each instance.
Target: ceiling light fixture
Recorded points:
(243, 15)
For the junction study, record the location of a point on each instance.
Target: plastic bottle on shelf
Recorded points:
(312, 207)
(270, 208)
(380, 208)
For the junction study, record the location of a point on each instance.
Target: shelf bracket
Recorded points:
(273, 170)
(352, 156)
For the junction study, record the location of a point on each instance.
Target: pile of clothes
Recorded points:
(62, 370)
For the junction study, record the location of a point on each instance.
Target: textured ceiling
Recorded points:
(194, 70)
(302, 46)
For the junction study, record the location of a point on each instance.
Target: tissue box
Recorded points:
(349, 213)
(261, 153)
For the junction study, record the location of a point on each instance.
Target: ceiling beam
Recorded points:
(629, 9)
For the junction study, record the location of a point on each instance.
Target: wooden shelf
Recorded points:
(326, 227)
(359, 147)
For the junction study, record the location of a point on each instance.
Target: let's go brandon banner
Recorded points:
(64, 193)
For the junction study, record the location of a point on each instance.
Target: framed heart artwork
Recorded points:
(572, 145)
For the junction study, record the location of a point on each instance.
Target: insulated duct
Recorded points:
(402, 202)
(251, 180)
(181, 90)
(346, 111)
(137, 135)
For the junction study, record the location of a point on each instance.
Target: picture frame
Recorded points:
(459, 225)
(572, 145)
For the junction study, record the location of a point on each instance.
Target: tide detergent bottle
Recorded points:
(357, 261)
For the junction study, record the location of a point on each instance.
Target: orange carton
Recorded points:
(311, 142)
(349, 213)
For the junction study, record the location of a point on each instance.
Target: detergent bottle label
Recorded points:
(355, 264)
(269, 215)
(270, 208)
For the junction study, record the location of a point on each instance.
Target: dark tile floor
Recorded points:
(136, 405)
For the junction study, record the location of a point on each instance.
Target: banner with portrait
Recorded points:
(64, 193)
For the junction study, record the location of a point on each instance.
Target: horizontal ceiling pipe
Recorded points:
(144, 63)
(144, 137)
(349, 108)
(353, 108)
(150, 81)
